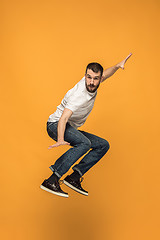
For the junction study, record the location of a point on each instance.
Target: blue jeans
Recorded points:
(81, 142)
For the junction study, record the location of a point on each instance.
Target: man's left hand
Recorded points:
(121, 64)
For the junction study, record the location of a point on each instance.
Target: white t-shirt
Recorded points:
(79, 101)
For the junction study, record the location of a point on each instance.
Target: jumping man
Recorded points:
(62, 126)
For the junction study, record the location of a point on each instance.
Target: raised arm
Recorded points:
(110, 71)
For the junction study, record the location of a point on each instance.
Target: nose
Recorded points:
(91, 81)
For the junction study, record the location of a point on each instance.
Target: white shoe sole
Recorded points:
(48, 190)
(74, 188)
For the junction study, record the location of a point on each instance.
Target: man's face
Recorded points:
(92, 80)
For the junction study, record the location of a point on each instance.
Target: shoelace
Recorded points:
(60, 182)
(81, 179)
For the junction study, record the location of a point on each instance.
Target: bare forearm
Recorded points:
(109, 71)
(61, 129)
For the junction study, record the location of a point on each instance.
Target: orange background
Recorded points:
(45, 47)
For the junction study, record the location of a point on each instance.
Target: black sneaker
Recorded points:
(75, 185)
(53, 188)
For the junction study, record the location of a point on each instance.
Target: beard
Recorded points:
(92, 88)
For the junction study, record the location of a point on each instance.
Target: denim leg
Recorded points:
(99, 148)
(80, 143)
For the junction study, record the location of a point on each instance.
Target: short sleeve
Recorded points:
(74, 102)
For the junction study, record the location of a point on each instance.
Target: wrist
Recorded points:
(117, 66)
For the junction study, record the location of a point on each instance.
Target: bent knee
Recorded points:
(105, 144)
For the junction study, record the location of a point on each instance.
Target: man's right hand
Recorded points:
(58, 144)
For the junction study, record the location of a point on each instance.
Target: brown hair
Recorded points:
(95, 67)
